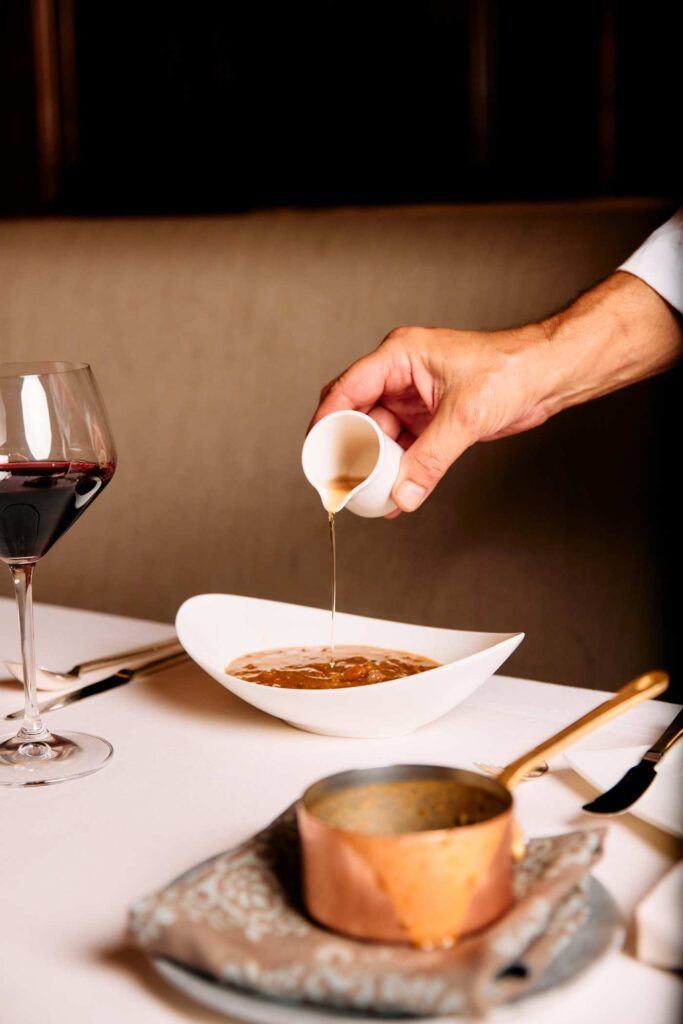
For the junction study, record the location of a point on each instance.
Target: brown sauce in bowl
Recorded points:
(313, 668)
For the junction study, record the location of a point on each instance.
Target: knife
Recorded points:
(638, 779)
(110, 683)
(48, 679)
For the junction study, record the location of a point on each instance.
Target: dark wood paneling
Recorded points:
(243, 105)
(649, 97)
(19, 178)
(170, 107)
(548, 99)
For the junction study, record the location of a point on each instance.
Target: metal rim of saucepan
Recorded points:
(392, 773)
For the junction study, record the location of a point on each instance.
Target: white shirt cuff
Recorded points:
(659, 261)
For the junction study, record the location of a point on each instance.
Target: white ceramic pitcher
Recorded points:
(351, 444)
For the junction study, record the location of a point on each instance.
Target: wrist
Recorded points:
(618, 333)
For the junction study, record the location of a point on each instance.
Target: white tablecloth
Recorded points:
(196, 771)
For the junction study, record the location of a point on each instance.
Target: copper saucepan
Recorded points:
(423, 853)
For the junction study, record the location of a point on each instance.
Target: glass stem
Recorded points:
(32, 727)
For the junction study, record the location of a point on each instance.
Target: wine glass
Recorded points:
(56, 455)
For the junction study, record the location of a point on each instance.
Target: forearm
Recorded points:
(616, 334)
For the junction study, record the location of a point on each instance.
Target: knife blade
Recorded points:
(124, 675)
(639, 778)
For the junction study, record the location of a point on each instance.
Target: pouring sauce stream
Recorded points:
(336, 492)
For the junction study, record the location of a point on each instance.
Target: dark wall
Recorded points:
(19, 174)
(176, 107)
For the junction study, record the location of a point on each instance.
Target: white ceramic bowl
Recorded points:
(216, 628)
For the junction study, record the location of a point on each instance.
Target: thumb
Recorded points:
(428, 458)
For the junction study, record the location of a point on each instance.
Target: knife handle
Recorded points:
(124, 675)
(129, 658)
(673, 732)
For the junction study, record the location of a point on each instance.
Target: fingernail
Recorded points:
(409, 495)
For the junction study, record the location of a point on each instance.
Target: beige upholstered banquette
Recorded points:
(211, 337)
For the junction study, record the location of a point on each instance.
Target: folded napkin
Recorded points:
(239, 918)
(659, 922)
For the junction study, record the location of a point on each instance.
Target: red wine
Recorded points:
(39, 501)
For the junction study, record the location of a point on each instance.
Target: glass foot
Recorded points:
(52, 758)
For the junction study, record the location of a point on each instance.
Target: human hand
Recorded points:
(437, 391)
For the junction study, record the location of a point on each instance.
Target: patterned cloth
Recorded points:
(239, 918)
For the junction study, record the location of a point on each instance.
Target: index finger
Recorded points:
(358, 388)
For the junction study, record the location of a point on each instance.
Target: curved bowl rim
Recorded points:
(428, 675)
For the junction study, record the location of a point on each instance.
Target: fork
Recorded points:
(534, 773)
(46, 679)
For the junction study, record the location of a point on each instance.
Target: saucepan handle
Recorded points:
(649, 685)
